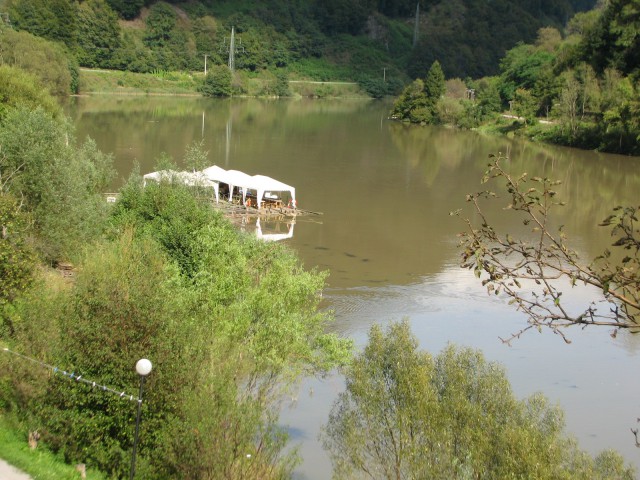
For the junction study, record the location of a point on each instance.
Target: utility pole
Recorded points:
(232, 48)
(416, 26)
(205, 64)
(384, 74)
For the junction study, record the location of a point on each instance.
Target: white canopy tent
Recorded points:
(216, 175)
(263, 184)
(236, 178)
(233, 178)
(213, 176)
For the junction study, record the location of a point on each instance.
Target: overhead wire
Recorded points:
(73, 376)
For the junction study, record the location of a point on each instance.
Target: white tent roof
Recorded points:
(159, 175)
(214, 175)
(195, 179)
(262, 184)
(192, 179)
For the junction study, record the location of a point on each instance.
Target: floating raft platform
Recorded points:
(232, 209)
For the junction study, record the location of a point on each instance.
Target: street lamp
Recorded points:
(143, 367)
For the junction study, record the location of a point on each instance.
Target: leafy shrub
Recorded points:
(48, 61)
(217, 83)
(406, 414)
(20, 88)
(60, 181)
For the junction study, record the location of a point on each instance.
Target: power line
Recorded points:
(73, 376)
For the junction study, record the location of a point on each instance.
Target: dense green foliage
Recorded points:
(418, 102)
(20, 88)
(58, 181)
(585, 85)
(228, 321)
(406, 414)
(56, 70)
(349, 40)
(51, 19)
(98, 34)
(218, 81)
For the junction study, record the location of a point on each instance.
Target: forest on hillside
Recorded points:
(583, 81)
(315, 39)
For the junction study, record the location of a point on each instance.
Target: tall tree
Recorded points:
(434, 84)
(98, 34)
(521, 67)
(614, 41)
(160, 24)
(50, 19)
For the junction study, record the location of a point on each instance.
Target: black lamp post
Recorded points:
(143, 367)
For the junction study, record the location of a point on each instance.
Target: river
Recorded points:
(385, 236)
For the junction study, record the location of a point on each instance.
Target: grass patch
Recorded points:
(40, 463)
(93, 81)
(319, 70)
(157, 83)
(326, 89)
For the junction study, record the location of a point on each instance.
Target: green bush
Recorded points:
(217, 83)
(406, 414)
(61, 182)
(48, 61)
(20, 88)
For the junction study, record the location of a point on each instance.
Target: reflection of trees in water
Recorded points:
(592, 183)
(428, 149)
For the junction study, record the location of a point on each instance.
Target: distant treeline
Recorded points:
(583, 80)
(316, 39)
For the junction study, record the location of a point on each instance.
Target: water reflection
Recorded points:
(274, 235)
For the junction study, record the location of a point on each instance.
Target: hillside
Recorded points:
(363, 40)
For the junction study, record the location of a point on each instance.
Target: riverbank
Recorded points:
(115, 82)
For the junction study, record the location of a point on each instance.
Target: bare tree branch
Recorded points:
(533, 271)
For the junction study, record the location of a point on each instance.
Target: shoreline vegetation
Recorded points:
(577, 65)
(508, 122)
(115, 82)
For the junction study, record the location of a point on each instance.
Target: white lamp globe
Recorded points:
(143, 367)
